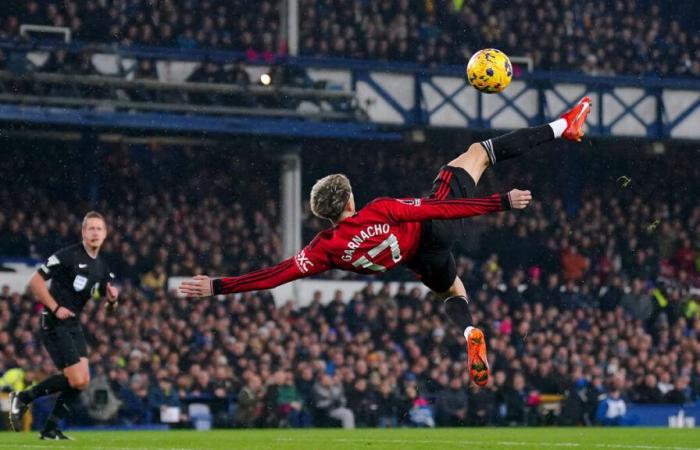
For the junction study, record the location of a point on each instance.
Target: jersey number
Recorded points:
(391, 243)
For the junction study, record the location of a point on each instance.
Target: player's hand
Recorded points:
(63, 313)
(519, 199)
(112, 293)
(198, 286)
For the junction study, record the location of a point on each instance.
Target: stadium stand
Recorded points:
(625, 37)
(169, 231)
(599, 298)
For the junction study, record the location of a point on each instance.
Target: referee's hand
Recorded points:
(63, 313)
(112, 293)
(198, 286)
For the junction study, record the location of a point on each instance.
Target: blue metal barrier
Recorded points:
(407, 95)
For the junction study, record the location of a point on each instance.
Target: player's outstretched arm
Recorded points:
(419, 210)
(290, 269)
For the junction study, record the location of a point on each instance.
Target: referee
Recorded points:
(77, 274)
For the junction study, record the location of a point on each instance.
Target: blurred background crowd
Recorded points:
(622, 37)
(589, 298)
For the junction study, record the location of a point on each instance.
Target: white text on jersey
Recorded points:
(362, 236)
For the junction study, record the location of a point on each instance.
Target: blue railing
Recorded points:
(406, 95)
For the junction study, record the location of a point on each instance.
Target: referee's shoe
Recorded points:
(54, 435)
(17, 410)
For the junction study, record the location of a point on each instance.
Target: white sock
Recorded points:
(467, 331)
(558, 126)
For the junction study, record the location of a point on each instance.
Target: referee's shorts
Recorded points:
(63, 339)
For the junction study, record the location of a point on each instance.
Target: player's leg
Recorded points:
(438, 271)
(456, 304)
(479, 156)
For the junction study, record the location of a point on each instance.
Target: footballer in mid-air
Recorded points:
(416, 232)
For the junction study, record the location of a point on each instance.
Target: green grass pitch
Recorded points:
(438, 439)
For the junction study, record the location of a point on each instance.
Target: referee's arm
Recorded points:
(41, 291)
(38, 286)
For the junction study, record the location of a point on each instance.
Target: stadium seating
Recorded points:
(595, 37)
(618, 312)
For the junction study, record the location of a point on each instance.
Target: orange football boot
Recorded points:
(575, 119)
(477, 361)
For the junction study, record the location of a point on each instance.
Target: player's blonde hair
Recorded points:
(330, 195)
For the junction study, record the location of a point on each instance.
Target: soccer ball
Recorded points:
(489, 71)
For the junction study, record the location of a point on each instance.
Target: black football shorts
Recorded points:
(434, 261)
(63, 339)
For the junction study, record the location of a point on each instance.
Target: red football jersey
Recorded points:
(381, 235)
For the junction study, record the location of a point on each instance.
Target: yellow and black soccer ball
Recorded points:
(489, 71)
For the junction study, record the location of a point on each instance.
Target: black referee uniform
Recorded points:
(76, 277)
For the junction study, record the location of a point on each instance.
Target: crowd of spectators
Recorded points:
(377, 360)
(229, 24)
(597, 37)
(590, 294)
(630, 37)
(204, 218)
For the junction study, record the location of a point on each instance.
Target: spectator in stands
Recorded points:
(387, 406)
(250, 406)
(681, 392)
(612, 409)
(289, 403)
(638, 303)
(508, 405)
(134, 397)
(695, 381)
(162, 395)
(573, 263)
(416, 410)
(364, 403)
(451, 404)
(648, 391)
(329, 400)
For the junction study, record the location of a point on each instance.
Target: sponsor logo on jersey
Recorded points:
(79, 283)
(302, 262)
(82, 266)
(410, 201)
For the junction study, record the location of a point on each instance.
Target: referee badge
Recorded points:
(79, 283)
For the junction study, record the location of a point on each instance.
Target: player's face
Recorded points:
(94, 232)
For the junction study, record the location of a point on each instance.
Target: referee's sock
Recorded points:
(516, 142)
(457, 310)
(55, 383)
(61, 408)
